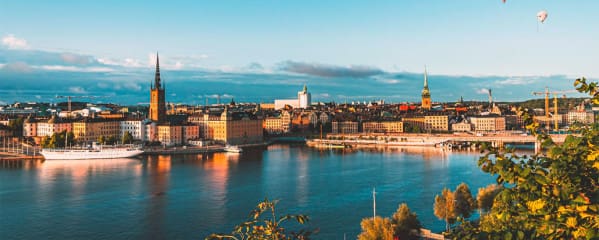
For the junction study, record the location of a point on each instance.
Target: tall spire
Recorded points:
(157, 77)
(425, 78)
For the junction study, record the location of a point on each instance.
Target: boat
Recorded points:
(233, 149)
(90, 153)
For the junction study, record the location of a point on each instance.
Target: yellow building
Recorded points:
(383, 127)
(278, 125)
(170, 135)
(417, 121)
(488, 123)
(436, 123)
(230, 127)
(89, 130)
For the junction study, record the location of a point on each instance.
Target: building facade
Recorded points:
(233, 128)
(488, 123)
(89, 130)
(304, 97)
(54, 125)
(137, 129)
(383, 127)
(345, 127)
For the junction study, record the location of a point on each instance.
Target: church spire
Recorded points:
(157, 77)
(425, 78)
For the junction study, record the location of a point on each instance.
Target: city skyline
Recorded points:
(216, 47)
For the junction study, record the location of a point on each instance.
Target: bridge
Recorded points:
(405, 139)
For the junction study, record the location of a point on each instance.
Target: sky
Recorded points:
(261, 50)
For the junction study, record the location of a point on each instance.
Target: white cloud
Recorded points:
(515, 81)
(482, 91)
(73, 68)
(221, 96)
(12, 42)
(76, 89)
(388, 81)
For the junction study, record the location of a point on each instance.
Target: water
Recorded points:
(191, 196)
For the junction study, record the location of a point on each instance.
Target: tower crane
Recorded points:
(71, 97)
(555, 94)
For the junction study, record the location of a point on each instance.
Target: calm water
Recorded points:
(188, 197)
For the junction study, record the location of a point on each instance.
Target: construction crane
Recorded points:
(555, 94)
(71, 97)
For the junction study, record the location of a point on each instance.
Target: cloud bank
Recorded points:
(329, 71)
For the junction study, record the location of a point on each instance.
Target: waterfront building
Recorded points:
(436, 123)
(463, 126)
(584, 117)
(54, 125)
(30, 127)
(170, 135)
(89, 130)
(383, 127)
(345, 127)
(426, 95)
(190, 132)
(303, 100)
(157, 112)
(414, 121)
(277, 124)
(151, 133)
(136, 127)
(488, 123)
(230, 127)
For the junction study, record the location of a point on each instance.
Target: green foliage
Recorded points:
(127, 138)
(376, 229)
(270, 226)
(104, 140)
(486, 195)
(405, 223)
(57, 140)
(545, 196)
(464, 202)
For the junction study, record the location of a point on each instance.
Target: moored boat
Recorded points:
(233, 149)
(90, 153)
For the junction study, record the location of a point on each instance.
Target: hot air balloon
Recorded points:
(503, 1)
(541, 16)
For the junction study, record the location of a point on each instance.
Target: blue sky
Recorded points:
(329, 44)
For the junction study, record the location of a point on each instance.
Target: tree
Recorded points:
(266, 227)
(545, 196)
(127, 138)
(464, 202)
(102, 140)
(376, 229)
(57, 140)
(405, 223)
(485, 197)
(444, 207)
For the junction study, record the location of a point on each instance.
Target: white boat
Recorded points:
(92, 153)
(233, 149)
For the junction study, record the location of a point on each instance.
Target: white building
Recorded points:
(137, 128)
(303, 100)
(584, 117)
